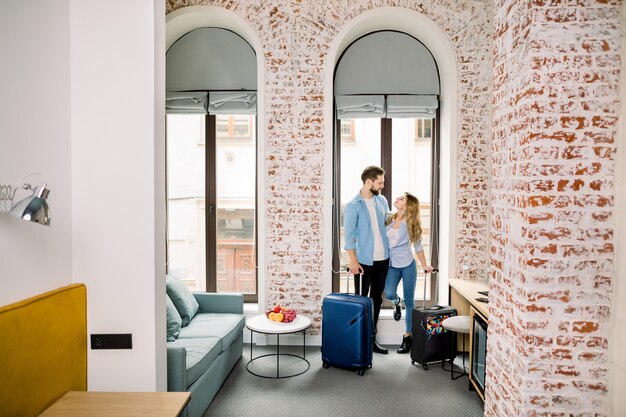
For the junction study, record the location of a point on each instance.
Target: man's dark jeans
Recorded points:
(373, 284)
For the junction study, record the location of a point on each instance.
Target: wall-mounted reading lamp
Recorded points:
(33, 207)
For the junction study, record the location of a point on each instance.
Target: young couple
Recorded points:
(379, 246)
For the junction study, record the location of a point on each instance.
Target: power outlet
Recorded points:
(112, 341)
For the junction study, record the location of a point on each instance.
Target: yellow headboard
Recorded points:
(43, 350)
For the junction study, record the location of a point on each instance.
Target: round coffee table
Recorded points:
(261, 324)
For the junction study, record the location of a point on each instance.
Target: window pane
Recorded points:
(185, 199)
(236, 182)
(411, 172)
(223, 125)
(355, 156)
(427, 128)
(347, 129)
(241, 126)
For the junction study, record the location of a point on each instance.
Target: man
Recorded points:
(366, 240)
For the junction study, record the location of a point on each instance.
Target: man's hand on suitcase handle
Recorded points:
(355, 268)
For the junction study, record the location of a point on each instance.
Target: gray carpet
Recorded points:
(392, 387)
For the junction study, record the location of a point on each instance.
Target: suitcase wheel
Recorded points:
(412, 362)
(360, 372)
(325, 364)
(425, 366)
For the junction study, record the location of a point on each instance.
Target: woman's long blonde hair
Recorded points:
(411, 218)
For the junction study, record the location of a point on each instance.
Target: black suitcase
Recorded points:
(430, 341)
(347, 331)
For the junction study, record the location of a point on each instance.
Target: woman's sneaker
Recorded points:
(397, 310)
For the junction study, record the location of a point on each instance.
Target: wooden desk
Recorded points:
(118, 404)
(463, 296)
(464, 293)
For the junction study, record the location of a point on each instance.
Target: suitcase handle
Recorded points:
(348, 281)
(435, 306)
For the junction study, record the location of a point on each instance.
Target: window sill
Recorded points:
(250, 308)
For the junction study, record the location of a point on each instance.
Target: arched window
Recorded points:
(386, 91)
(211, 85)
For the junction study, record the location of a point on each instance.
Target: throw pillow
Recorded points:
(182, 298)
(174, 321)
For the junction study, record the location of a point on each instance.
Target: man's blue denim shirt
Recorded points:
(358, 227)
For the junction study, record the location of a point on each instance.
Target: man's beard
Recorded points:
(375, 192)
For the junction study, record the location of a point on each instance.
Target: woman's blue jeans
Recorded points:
(408, 275)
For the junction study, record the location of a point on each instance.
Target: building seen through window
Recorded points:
(233, 240)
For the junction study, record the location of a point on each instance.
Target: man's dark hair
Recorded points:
(371, 173)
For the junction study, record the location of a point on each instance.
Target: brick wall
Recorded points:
(296, 36)
(555, 108)
(555, 98)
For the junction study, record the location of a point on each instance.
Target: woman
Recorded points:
(404, 231)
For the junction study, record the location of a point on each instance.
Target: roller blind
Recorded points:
(412, 106)
(387, 62)
(234, 102)
(210, 59)
(211, 70)
(360, 107)
(386, 74)
(192, 102)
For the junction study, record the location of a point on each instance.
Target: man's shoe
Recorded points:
(406, 345)
(379, 349)
(397, 310)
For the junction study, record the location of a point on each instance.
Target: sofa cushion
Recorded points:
(174, 321)
(223, 325)
(182, 298)
(201, 352)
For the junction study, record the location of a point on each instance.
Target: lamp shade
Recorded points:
(34, 208)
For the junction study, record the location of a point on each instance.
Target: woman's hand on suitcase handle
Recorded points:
(428, 269)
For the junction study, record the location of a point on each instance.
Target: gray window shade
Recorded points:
(412, 106)
(234, 102)
(387, 62)
(193, 102)
(360, 107)
(210, 59)
(395, 68)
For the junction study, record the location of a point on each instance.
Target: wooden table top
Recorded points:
(122, 404)
(469, 290)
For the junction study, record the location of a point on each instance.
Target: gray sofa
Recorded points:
(205, 351)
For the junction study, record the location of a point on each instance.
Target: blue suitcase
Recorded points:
(347, 331)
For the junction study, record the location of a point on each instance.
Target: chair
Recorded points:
(457, 324)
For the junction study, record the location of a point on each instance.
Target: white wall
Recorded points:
(117, 182)
(35, 137)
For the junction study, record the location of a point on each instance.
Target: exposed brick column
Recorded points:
(556, 104)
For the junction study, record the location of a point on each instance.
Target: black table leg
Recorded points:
(277, 355)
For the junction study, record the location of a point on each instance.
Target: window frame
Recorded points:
(211, 140)
(386, 164)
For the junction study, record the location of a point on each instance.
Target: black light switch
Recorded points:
(112, 341)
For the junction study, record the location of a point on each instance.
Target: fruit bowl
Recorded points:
(281, 315)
